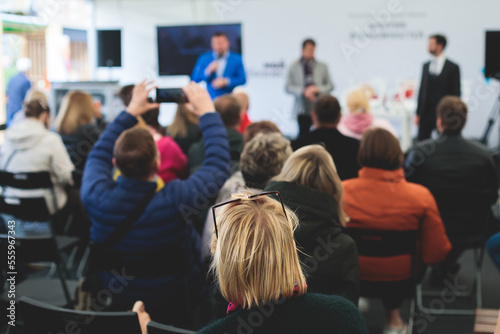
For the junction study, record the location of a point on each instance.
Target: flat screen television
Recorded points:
(180, 46)
(492, 55)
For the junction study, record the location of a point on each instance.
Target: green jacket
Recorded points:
(311, 313)
(331, 257)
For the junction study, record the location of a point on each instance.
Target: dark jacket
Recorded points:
(197, 152)
(310, 313)
(462, 177)
(80, 144)
(447, 83)
(165, 221)
(343, 149)
(193, 135)
(331, 258)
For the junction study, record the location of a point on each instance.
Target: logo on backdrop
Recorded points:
(274, 69)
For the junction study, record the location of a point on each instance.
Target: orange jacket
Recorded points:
(383, 199)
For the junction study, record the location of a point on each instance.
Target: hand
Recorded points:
(311, 92)
(200, 100)
(219, 83)
(416, 120)
(212, 67)
(144, 317)
(139, 103)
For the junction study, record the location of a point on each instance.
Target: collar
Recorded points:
(382, 174)
(225, 56)
(441, 58)
(159, 182)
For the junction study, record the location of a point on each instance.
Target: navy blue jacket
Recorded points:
(234, 71)
(165, 220)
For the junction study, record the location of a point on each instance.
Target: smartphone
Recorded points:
(170, 95)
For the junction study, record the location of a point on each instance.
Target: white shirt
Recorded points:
(437, 64)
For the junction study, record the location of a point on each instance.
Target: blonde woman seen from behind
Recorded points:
(310, 186)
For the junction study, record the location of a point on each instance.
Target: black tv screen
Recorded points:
(180, 46)
(492, 53)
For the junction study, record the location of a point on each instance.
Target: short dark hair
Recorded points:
(135, 153)
(380, 149)
(440, 39)
(308, 41)
(219, 34)
(125, 94)
(229, 110)
(34, 109)
(453, 113)
(327, 109)
(259, 127)
(151, 118)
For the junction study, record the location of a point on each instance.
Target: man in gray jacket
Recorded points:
(307, 79)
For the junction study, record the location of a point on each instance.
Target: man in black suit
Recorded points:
(440, 77)
(325, 117)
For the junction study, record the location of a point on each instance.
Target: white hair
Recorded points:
(23, 64)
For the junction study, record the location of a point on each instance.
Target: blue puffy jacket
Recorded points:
(165, 220)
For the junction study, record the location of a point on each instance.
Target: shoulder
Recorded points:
(451, 63)
(235, 56)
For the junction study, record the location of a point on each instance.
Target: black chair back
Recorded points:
(34, 180)
(41, 318)
(381, 243)
(157, 328)
(33, 248)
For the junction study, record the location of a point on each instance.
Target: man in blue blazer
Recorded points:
(221, 69)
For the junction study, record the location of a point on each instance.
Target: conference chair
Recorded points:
(40, 318)
(33, 209)
(382, 243)
(33, 249)
(157, 328)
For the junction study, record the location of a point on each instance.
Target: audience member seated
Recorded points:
(344, 150)
(30, 147)
(359, 119)
(493, 247)
(185, 128)
(258, 272)
(173, 162)
(381, 199)
(262, 158)
(32, 95)
(162, 235)
(259, 127)
(310, 186)
(75, 123)
(244, 102)
(229, 110)
(462, 177)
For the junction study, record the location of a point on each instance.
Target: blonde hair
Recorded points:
(255, 259)
(76, 110)
(358, 101)
(183, 117)
(313, 167)
(35, 95)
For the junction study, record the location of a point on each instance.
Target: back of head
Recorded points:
(452, 113)
(313, 167)
(135, 153)
(76, 109)
(36, 95)
(23, 65)
(35, 108)
(259, 127)
(125, 94)
(182, 119)
(263, 157)
(380, 149)
(255, 259)
(358, 102)
(242, 98)
(229, 110)
(151, 118)
(327, 110)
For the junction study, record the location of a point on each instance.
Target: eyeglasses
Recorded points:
(251, 197)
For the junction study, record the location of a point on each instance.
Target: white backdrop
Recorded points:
(380, 42)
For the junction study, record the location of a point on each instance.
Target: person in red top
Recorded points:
(380, 198)
(243, 100)
(173, 162)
